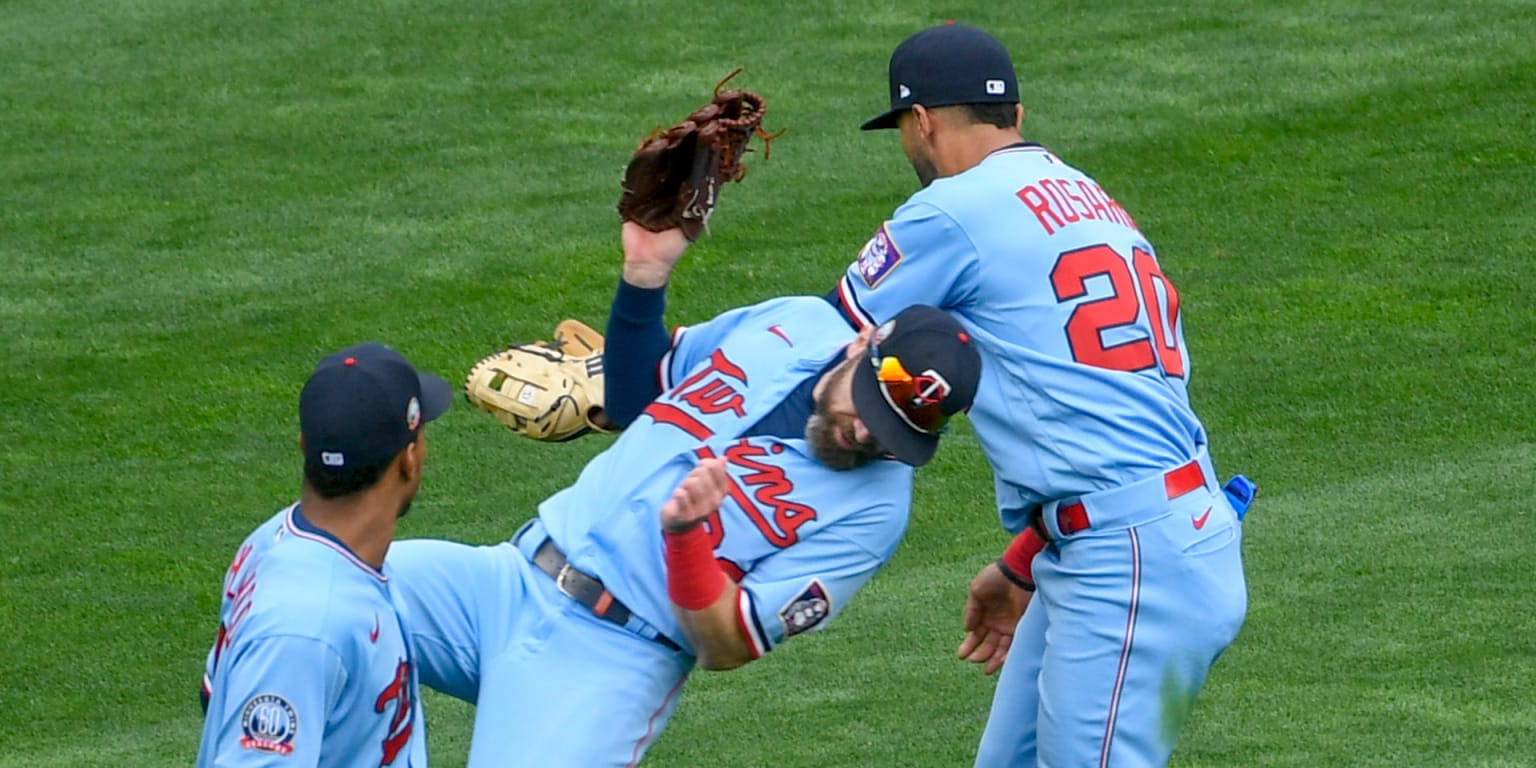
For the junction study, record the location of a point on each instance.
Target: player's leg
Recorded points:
(1138, 617)
(455, 600)
(1009, 740)
(1193, 601)
(572, 691)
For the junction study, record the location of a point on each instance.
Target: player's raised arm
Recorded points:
(703, 597)
(672, 184)
(637, 337)
(272, 708)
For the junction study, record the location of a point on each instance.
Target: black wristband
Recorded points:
(1018, 581)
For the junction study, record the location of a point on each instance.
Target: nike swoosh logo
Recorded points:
(779, 332)
(373, 636)
(1200, 521)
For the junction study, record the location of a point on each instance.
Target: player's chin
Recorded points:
(821, 433)
(839, 459)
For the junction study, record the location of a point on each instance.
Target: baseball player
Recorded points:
(743, 506)
(311, 666)
(1101, 465)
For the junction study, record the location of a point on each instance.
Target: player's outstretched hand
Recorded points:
(650, 256)
(992, 611)
(697, 497)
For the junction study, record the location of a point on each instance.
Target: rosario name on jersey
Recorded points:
(799, 537)
(311, 666)
(1084, 366)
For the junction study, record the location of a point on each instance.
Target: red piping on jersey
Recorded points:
(650, 728)
(663, 381)
(1025, 147)
(343, 551)
(744, 604)
(851, 307)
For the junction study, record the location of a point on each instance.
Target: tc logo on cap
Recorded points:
(996, 87)
(903, 91)
(930, 387)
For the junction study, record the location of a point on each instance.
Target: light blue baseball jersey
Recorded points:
(799, 537)
(557, 687)
(1084, 369)
(311, 666)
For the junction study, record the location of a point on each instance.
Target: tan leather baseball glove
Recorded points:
(550, 391)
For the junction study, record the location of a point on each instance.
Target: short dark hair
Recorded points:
(332, 483)
(1001, 115)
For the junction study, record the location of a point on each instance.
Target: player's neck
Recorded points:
(365, 523)
(972, 146)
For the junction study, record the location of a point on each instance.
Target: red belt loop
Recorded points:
(1071, 518)
(604, 602)
(1178, 482)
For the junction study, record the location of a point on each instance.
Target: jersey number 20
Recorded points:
(1085, 328)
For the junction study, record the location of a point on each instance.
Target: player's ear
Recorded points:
(1018, 116)
(922, 120)
(409, 461)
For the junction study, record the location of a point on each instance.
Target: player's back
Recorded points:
(310, 658)
(1080, 326)
(1084, 367)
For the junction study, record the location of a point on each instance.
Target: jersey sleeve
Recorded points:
(800, 588)
(920, 256)
(691, 345)
(271, 706)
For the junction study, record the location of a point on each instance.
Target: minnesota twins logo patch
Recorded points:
(268, 724)
(878, 258)
(807, 610)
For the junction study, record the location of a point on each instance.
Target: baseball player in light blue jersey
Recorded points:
(1101, 465)
(311, 666)
(764, 476)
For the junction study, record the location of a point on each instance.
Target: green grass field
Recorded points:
(198, 199)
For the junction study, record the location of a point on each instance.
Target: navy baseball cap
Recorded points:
(921, 369)
(363, 405)
(946, 65)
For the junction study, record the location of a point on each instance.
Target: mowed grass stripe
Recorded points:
(203, 198)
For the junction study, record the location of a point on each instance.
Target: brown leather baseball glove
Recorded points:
(674, 176)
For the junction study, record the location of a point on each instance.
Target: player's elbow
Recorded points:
(722, 653)
(721, 660)
(618, 412)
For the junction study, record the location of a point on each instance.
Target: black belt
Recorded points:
(588, 590)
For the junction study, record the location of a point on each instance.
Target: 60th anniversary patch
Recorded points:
(269, 724)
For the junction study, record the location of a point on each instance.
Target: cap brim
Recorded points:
(436, 396)
(905, 443)
(888, 120)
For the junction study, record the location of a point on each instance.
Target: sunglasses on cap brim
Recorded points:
(916, 399)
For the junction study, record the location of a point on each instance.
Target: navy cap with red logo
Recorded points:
(921, 368)
(362, 405)
(947, 65)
